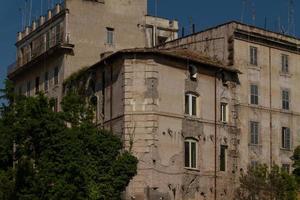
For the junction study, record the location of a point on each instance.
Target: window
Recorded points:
(20, 90)
(37, 84)
(48, 40)
(46, 82)
(254, 94)
(286, 168)
(110, 36)
(253, 163)
(28, 88)
(224, 112)
(253, 55)
(285, 138)
(191, 104)
(254, 132)
(56, 75)
(284, 63)
(223, 157)
(55, 107)
(285, 99)
(190, 153)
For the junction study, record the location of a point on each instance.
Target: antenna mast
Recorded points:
(291, 19)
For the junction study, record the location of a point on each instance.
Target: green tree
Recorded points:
(296, 164)
(262, 183)
(58, 155)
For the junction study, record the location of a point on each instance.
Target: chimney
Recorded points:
(19, 36)
(42, 20)
(194, 28)
(27, 30)
(57, 8)
(34, 25)
(49, 16)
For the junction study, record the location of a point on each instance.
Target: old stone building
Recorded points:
(169, 106)
(76, 34)
(196, 111)
(268, 116)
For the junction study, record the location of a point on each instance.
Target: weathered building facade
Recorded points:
(268, 116)
(76, 34)
(169, 106)
(193, 128)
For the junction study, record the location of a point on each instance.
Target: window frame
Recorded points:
(254, 132)
(254, 97)
(191, 106)
(55, 76)
(284, 63)
(286, 167)
(46, 81)
(285, 99)
(253, 55)
(224, 116)
(28, 88)
(191, 165)
(286, 139)
(37, 85)
(110, 35)
(223, 159)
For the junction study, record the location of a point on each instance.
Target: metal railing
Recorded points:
(38, 50)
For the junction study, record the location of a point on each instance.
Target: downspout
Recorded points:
(111, 95)
(270, 96)
(215, 171)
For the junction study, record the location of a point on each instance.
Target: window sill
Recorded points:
(255, 145)
(286, 111)
(285, 74)
(192, 169)
(286, 150)
(254, 67)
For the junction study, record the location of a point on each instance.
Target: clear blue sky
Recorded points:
(204, 13)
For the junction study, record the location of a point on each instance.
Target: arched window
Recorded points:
(190, 153)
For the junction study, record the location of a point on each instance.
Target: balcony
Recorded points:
(47, 45)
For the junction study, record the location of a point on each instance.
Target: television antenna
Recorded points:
(291, 17)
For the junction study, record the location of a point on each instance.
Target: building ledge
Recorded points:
(60, 48)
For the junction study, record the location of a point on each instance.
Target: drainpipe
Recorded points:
(270, 112)
(215, 172)
(111, 95)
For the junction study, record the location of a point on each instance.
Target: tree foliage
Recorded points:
(262, 183)
(296, 165)
(49, 155)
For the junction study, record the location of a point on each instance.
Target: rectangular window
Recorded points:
(253, 163)
(254, 132)
(28, 88)
(253, 55)
(46, 81)
(55, 108)
(191, 104)
(223, 158)
(20, 90)
(48, 40)
(110, 36)
(56, 75)
(37, 84)
(285, 99)
(285, 138)
(224, 112)
(284, 63)
(286, 168)
(254, 94)
(57, 34)
(190, 153)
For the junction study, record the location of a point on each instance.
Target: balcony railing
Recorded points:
(38, 49)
